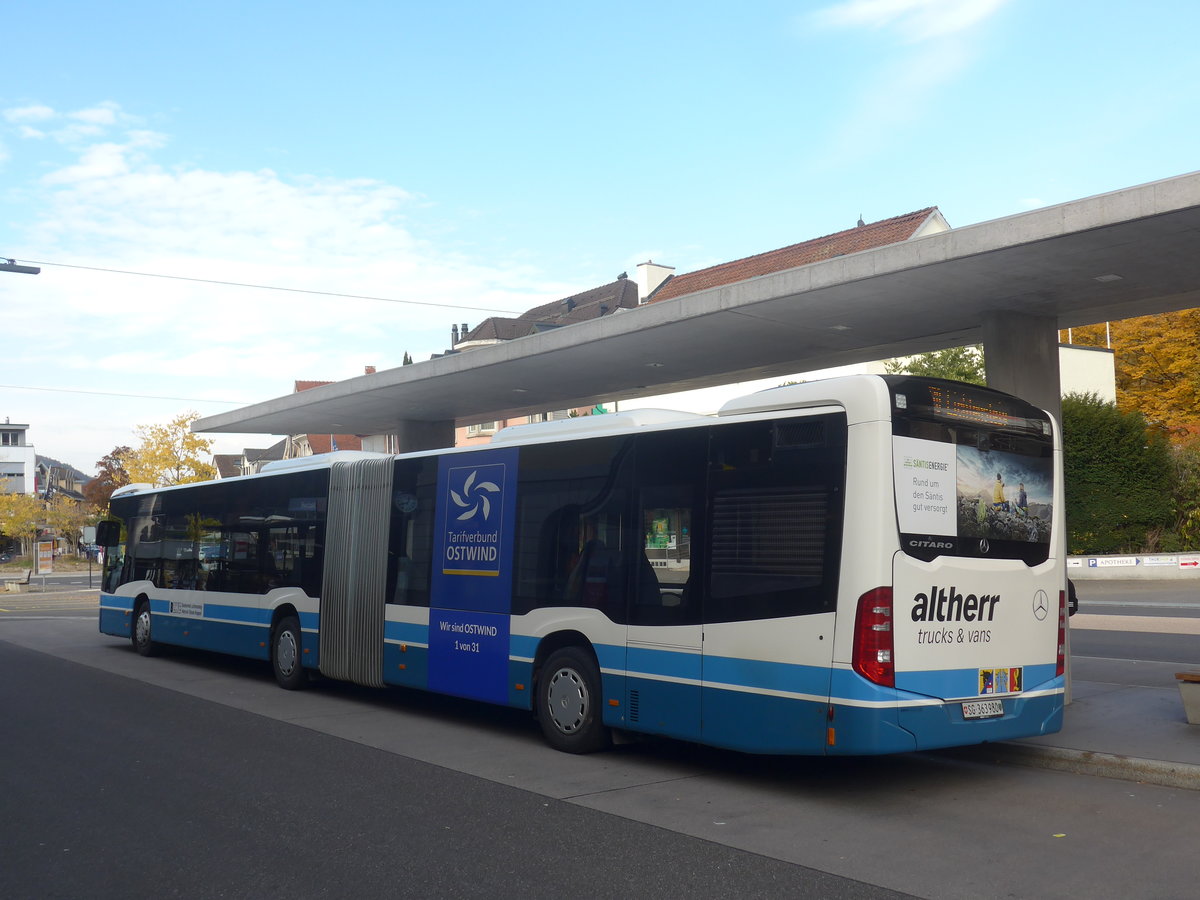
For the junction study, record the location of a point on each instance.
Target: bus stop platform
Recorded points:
(1132, 732)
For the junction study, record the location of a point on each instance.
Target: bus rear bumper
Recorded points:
(937, 725)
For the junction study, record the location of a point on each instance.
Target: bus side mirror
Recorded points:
(108, 533)
(1072, 598)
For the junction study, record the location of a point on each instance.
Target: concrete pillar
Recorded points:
(1021, 356)
(412, 435)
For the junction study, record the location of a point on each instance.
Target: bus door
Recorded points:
(664, 639)
(776, 491)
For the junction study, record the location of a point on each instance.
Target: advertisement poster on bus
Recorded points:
(472, 574)
(961, 491)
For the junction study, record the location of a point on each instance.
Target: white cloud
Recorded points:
(104, 114)
(915, 20)
(112, 204)
(25, 114)
(900, 88)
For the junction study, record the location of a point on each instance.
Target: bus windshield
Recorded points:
(973, 472)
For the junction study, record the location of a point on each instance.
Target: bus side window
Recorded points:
(670, 479)
(410, 540)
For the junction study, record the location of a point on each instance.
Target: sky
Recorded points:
(419, 165)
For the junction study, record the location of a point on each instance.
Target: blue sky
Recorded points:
(497, 156)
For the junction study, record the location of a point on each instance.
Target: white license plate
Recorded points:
(982, 709)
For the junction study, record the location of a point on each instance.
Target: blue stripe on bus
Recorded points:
(115, 621)
(115, 601)
(791, 678)
(964, 682)
(250, 640)
(664, 663)
(251, 615)
(406, 631)
(760, 723)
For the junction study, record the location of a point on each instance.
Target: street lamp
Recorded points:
(10, 265)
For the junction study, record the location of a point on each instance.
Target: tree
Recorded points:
(955, 363)
(169, 454)
(1157, 361)
(407, 359)
(1185, 479)
(66, 518)
(110, 475)
(21, 516)
(1117, 477)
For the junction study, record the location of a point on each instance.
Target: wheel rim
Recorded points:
(567, 700)
(142, 627)
(286, 651)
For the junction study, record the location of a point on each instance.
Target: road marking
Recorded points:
(1148, 624)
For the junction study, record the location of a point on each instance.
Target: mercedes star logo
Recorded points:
(1041, 605)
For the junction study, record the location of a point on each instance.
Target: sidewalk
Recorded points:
(1119, 731)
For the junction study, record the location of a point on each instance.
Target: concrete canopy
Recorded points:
(1052, 266)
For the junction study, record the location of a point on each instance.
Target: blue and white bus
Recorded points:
(862, 565)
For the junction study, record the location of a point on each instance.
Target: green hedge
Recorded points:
(1118, 473)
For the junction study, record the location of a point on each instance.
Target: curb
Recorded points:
(1107, 765)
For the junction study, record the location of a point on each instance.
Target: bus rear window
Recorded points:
(973, 471)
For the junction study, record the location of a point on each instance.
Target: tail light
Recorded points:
(1060, 666)
(873, 640)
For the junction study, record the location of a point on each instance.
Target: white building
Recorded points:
(18, 461)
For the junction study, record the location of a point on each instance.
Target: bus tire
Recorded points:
(568, 702)
(139, 634)
(286, 659)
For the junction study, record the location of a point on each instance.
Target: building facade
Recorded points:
(18, 460)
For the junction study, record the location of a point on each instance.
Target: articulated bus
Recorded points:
(862, 565)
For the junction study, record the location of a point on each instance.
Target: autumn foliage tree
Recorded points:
(110, 475)
(21, 517)
(169, 454)
(1157, 362)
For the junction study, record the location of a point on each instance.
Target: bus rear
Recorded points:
(966, 645)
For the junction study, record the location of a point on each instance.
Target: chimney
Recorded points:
(649, 276)
(454, 335)
(464, 331)
(369, 370)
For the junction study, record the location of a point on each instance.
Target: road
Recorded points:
(193, 775)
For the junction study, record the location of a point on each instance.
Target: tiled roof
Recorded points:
(308, 385)
(323, 443)
(227, 465)
(852, 240)
(274, 452)
(589, 304)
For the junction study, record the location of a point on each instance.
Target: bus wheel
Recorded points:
(568, 702)
(140, 633)
(285, 654)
